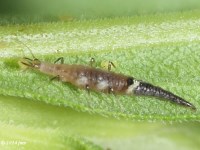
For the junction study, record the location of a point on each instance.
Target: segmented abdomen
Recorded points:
(150, 90)
(99, 80)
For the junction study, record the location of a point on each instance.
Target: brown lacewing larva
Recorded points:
(88, 77)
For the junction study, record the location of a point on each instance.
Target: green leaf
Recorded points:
(35, 138)
(42, 126)
(160, 49)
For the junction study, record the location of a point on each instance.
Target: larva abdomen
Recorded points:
(99, 80)
(84, 76)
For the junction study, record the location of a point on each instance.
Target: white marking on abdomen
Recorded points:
(82, 81)
(132, 87)
(102, 85)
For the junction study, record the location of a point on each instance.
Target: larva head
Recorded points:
(32, 63)
(27, 62)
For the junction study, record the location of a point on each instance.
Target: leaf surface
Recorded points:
(160, 49)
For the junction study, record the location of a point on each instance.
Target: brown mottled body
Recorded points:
(82, 76)
(104, 81)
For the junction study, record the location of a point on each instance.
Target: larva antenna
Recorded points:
(26, 47)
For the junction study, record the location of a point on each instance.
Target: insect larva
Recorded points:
(101, 80)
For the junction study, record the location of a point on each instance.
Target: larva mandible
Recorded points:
(89, 77)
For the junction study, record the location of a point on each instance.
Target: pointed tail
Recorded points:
(150, 90)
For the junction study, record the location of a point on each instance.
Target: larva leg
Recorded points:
(56, 77)
(110, 64)
(87, 88)
(116, 102)
(61, 59)
(110, 90)
(92, 61)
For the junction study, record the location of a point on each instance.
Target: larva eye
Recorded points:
(130, 81)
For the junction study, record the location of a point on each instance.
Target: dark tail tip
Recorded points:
(150, 90)
(192, 107)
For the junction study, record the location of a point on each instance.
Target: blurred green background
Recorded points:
(26, 11)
